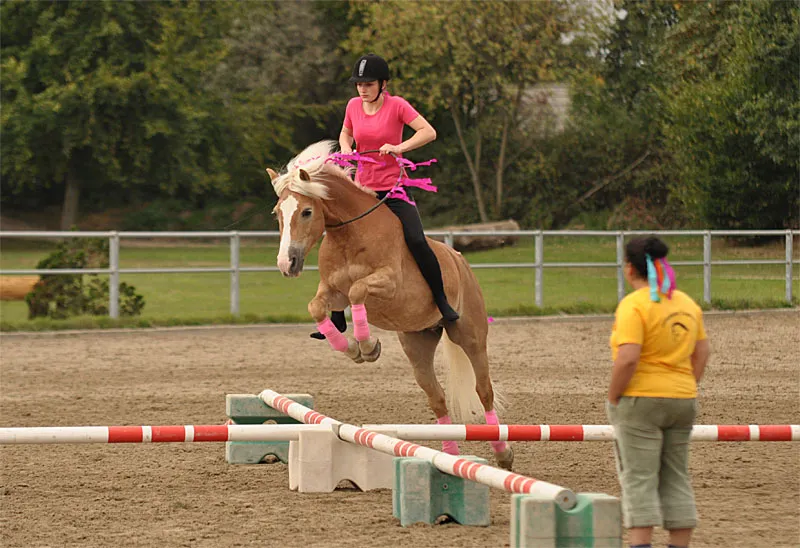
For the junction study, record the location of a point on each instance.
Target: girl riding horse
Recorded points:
(365, 263)
(375, 119)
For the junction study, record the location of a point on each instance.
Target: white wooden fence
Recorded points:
(538, 264)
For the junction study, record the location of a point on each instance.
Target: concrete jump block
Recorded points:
(596, 521)
(422, 493)
(250, 409)
(318, 461)
(253, 452)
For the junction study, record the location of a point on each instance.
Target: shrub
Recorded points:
(60, 296)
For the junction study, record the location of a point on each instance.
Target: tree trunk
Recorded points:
(69, 212)
(508, 120)
(474, 167)
(498, 184)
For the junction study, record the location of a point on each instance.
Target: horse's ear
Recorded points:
(272, 174)
(304, 176)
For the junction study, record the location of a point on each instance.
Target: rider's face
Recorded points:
(368, 91)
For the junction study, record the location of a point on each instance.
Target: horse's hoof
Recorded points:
(374, 354)
(505, 459)
(354, 352)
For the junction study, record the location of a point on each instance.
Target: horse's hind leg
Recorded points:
(473, 342)
(420, 348)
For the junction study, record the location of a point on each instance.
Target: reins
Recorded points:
(399, 182)
(376, 206)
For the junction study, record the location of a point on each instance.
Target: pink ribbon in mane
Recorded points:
(399, 192)
(424, 184)
(344, 160)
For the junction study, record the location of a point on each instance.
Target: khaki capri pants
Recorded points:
(652, 453)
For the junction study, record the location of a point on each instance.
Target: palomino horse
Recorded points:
(366, 264)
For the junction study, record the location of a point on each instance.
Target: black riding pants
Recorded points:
(417, 244)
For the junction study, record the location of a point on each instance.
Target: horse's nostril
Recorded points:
(293, 262)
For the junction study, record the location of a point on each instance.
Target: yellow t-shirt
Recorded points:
(667, 331)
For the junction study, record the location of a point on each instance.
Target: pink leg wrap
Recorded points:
(491, 418)
(449, 447)
(332, 335)
(360, 325)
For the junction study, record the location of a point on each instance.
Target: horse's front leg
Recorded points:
(319, 307)
(381, 284)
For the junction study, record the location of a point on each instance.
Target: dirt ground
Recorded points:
(555, 372)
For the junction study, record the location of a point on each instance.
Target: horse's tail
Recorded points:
(462, 398)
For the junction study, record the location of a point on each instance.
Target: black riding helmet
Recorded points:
(370, 67)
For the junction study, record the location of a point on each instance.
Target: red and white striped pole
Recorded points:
(578, 432)
(154, 434)
(450, 464)
(417, 432)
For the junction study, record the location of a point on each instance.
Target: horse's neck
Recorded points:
(346, 202)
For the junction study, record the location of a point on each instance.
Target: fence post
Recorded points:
(789, 253)
(234, 273)
(620, 264)
(113, 278)
(539, 261)
(448, 239)
(707, 267)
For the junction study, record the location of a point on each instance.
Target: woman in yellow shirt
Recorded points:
(660, 351)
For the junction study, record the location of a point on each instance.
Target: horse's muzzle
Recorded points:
(292, 265)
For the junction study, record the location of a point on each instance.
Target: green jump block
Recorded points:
(595, 522)
(422, 493)
(250, 409)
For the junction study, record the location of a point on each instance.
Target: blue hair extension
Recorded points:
(652, 279)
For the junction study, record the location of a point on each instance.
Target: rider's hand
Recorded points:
(387, 149)
(346, 150)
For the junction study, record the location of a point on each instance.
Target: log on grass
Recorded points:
(475, 243)
(14, 288)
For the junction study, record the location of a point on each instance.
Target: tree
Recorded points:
(104, 95)
(282, 82)
(478, 61)
(733, 112)
(612, 151)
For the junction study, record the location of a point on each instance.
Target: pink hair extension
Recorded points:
(671, 276)
(334, 338)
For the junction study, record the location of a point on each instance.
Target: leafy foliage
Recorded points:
(733, 114)
(688, 111)
(104, 95)
(478, 62)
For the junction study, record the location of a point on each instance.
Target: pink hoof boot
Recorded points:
(450, 447)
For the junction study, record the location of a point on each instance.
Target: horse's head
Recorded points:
(301, 220)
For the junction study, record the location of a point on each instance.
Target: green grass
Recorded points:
(189, 299)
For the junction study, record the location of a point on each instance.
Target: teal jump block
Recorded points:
(422, 493)
(250, 409)
(595, 522)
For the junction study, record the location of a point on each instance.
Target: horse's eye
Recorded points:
(306, 213)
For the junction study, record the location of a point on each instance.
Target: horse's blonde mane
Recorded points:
(312, 160)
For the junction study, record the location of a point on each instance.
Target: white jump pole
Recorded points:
(578, 432)
(417, 432)
(155, 434)
(450, 464)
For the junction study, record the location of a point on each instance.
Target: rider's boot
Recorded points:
(432, 272)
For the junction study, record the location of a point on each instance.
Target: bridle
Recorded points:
(381, 202)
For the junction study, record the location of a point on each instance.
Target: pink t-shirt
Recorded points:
(371, 132)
